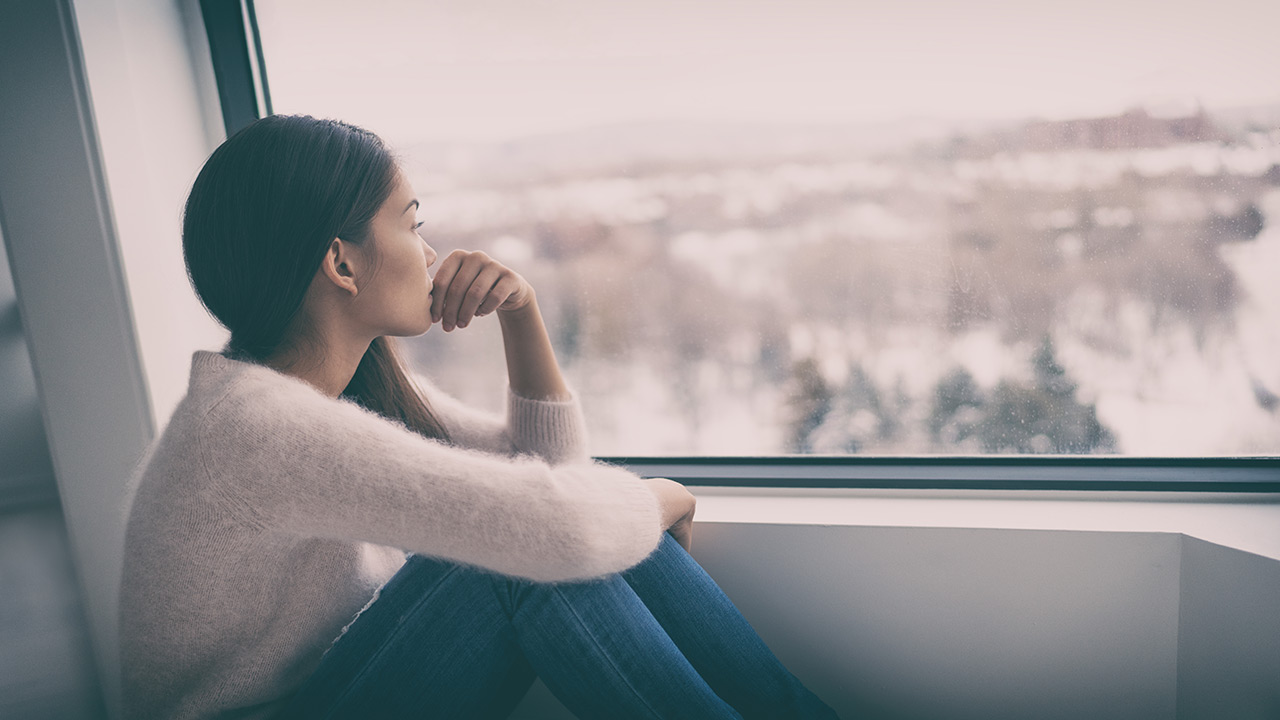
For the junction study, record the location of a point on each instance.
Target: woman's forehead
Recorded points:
(401, 194)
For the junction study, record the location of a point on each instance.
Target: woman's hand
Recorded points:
(472, 284)
(677, 505)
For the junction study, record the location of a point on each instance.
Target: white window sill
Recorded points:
(1245, 521)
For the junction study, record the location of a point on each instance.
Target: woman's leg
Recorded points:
(671, 633)
(435, 643)
(458, 641)
(445, 640)
(718, 641)
(604, 655)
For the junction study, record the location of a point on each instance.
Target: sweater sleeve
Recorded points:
(291, 460)
(555, 431)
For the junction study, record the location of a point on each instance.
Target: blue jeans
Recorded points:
(659, 640)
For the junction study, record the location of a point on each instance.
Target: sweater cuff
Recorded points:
(553, 429)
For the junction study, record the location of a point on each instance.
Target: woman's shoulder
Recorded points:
(240, 407)
(232, 411)
(174, 469)
(241, 390)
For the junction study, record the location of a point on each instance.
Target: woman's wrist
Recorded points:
(531, 363)
(530, 307)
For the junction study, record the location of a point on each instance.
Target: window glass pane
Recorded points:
(833, 227)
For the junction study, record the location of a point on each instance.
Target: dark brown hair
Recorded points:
(257, 223)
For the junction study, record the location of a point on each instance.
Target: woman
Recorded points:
(265, 572)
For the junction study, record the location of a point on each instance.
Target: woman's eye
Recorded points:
(419, 224)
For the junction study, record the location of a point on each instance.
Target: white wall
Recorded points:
(103, 132)
(155, 105)
(79, 330)
(1228, 634)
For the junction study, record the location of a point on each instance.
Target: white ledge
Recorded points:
(1245, 521)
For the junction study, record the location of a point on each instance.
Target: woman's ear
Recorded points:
(340, 264)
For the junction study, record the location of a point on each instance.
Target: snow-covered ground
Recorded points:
(1169, 397)
(1161, 390)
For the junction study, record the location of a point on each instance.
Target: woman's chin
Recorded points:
(413, 330)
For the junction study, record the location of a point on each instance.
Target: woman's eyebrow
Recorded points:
(411, 204)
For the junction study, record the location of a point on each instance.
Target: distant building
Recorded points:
(1134, 129)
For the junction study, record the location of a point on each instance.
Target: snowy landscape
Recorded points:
(844, 228)
(1101, 285)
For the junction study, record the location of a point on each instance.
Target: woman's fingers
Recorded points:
(457, 291)
(506, 289)
(469, 265)
(683, 533)
(442, 282)
(478, 293)
(470, 284)
(502, 289)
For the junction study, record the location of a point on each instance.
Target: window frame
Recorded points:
(240, 70)
(968, 472)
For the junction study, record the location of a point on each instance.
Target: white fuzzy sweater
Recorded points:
(267, 514)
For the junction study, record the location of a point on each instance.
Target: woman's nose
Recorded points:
(429, 252)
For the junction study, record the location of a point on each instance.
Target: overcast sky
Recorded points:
(494, 70)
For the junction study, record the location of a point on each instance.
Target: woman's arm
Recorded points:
(286, 458)
(545, 416)
(471, 284)
(555, 431)
(531, 363)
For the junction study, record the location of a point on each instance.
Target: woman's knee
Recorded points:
(423, 576)
(669, 550)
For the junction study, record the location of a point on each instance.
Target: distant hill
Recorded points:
(669, 144)
(674, 144)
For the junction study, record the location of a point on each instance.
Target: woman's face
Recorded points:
(396, 300)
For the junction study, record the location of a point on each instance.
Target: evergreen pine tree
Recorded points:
(810, 401)
(957, 406)
(1045, 416)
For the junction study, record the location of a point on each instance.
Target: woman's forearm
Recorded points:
(531, 363)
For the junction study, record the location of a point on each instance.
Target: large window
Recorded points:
(877, 228)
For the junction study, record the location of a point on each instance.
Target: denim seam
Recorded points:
(599, 646)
